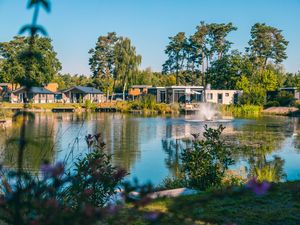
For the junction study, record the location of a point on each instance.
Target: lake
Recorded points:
(149, 147)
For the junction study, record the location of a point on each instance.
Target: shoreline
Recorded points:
(158, 109)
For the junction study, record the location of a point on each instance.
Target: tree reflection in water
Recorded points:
(255, 144)
(39, 140)
(173, 148)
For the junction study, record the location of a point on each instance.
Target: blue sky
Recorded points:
(74, 25)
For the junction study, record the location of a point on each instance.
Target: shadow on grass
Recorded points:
(281, 205)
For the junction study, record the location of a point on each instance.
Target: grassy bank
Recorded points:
(242, 110)
(40, 106)
(145, 105)
(280, 205)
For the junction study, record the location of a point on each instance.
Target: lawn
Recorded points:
(281, 205)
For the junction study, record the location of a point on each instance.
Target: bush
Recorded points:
(89, 105)
(163, 108)
(285, 98)
(271, 104)
(172, 183)
(175, 107)
(242, 110)
(60, 197)
(148, 102)
(94, 180)
(206, 162)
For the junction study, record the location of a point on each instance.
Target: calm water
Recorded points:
(149, 147)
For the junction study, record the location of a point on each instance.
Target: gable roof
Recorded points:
(86, 90)
(35, 90)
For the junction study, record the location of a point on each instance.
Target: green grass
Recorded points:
(281, 205)
(43, 106)
(242, 110)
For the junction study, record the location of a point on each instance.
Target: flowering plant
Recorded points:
(58, 196)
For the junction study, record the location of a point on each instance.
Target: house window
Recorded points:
(210, 96)
(226, 94)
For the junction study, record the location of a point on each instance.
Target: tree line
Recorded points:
(204, 57)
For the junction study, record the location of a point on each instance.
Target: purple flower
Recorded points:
(112, 209)
(49, 170)
(46, 169)
(151, 216)
(259, 188)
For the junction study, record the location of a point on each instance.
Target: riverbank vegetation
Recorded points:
(242, 110)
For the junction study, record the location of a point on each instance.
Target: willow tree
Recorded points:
(126, 62)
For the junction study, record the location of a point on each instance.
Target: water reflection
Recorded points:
(150, 147)
(39, 138)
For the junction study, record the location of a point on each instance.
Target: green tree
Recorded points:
(127, 62)
(200, 47)
(31, 68)
(176, 51)
(206, 162)
(226, 71)
(266, 43)
(102, 61)
(217, 37)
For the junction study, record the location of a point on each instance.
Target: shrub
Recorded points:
(95, 180)
(271, 104)
(242, 110)
(148, 102)
(162, 108)
(206, 162)
(60, 197)
(285, 98)
(175, 107)
(89, 105)
(172, 183)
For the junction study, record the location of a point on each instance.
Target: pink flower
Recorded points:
(51, 203)
(121, 173)
(88, 192)
(259, 188)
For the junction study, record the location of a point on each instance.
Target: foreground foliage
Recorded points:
(205, 164)
(235, 205)
(59, 196)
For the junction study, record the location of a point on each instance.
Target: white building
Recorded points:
(223, 96)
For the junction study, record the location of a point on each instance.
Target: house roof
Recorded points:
(86, 90)
(35, 90)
